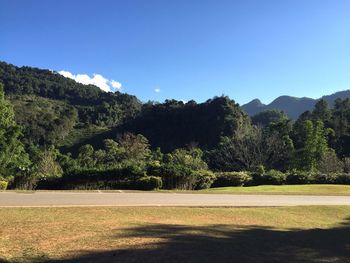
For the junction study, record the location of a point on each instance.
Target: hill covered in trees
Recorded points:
(59, 134)
(292, 106)
(56, 110)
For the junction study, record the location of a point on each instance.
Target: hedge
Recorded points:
(203, 179)
(121, 178)
(272, 177)
(300, 177)
(232, 179)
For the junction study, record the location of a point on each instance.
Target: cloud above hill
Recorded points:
(97, 80)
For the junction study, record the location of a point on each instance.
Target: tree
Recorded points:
(134, 147)
(268, 117)
(191, 158)
(322, 111)
(13, 158)
(247, 150)
(330, 163)
(340, 123)
(313, 147)
(86, 156)
(46, 165)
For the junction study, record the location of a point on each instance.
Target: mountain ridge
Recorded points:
(290, 105)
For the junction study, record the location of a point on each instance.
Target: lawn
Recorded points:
(154, 234)
(305, 189)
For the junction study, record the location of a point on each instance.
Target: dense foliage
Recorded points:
(58, 134)
(13, 159)
(93, 105)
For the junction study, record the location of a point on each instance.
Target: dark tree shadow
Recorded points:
(224, 243)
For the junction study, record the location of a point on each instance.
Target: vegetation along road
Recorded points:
(162, 199)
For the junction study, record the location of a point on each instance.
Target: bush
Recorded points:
(149, 183)
(203, 179)
(232, 179)
(142, 183)
(259, 170)
(330, 163)
(299, 177)
(343, 178)
(117, 178)
(177, 176)
(25, 181)
(274, 177)
(3, 185)
(323, 178)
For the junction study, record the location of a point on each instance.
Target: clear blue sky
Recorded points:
(189, 49)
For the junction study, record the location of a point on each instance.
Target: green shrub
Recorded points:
(177, 176)
(232, 179)
(323, 178)
(274, 177)
(149, 183)
(343, 178)
(3, 185)
(203, 179)
(259, 169)
(299, 177)
(116, 178)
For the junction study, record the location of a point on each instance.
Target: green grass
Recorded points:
(307, 189)
(154, 234)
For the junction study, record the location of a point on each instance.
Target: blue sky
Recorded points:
(187, 49)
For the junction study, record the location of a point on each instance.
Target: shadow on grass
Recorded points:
(223, 243)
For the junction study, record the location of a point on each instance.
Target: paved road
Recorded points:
(11, 199)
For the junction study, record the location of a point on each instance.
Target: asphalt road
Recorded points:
(47, 199)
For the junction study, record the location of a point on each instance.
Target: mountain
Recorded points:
(94, 106)
(254, 107)
(54, 110)
(174, 124)
(292, 106)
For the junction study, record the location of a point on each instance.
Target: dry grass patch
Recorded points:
(152, 234)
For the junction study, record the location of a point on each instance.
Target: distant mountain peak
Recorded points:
(292, 106)
(257, 102)
(253, 107)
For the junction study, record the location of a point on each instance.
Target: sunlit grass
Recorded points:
(307, 189)
(39, 234)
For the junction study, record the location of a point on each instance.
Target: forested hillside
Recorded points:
(93, 105)
(56, 133)
(174, 124)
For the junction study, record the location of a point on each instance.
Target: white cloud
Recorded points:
(116, 84)
(97, 80)
(66, 74)
(157, 90)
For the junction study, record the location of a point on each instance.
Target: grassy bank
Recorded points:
(293, 234)
(306, 189)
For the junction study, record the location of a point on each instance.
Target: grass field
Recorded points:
(291, 234)
(306, 189)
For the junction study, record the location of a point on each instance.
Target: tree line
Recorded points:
(267, 149)
(55, 132)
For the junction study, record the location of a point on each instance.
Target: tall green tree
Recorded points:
(314, 145)
(340, 123)
(13, 158)
(322, 111)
